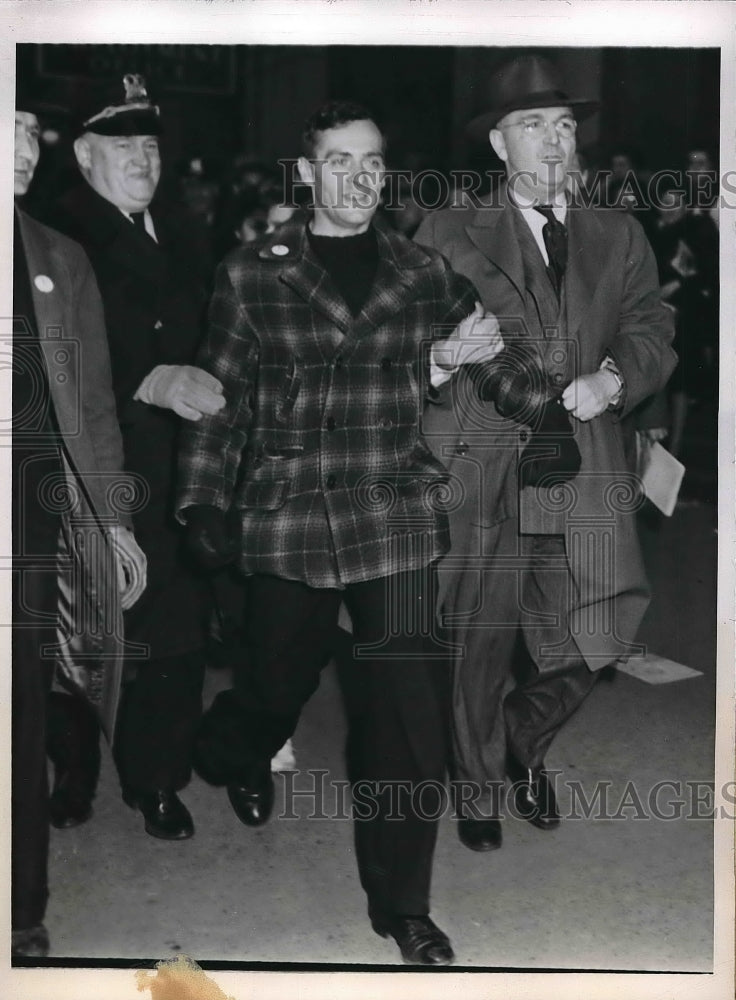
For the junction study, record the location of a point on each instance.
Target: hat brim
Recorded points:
(481, 125)
(124, 122)
(40, 107)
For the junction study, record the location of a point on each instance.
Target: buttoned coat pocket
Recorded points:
(263, 496)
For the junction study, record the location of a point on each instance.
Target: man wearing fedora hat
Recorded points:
(544, 570)
(67, 457)
(153, 280)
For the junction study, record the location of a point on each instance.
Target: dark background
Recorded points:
(218, 100)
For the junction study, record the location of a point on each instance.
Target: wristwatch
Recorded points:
(609, 365)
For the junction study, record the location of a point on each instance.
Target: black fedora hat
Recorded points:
(524, 83)
(38, 100)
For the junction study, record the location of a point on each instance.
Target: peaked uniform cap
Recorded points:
(525, 83)
(121, 108)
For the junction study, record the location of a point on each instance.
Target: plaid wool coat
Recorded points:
(319, 447)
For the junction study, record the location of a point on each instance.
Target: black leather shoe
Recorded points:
(420, 940)
(534, 798)
(165, 814)
(480, 834)
(32, 942)
(70, 803)
(252, 800)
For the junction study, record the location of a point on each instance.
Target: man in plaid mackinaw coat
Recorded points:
(315, 476)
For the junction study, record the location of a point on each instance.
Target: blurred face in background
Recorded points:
(277, 215)
(538, 148)
(672, 207)
(698, 161)
(621, 165)
(124, 169)
(262, 222)
(27, 150)
(347, 172)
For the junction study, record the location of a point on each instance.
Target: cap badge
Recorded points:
(43, 283)
(279, 249)
(135, 88)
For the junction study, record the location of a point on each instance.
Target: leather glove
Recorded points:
(514, 381)
(130, 563)
(185, 389)
(552, 455)
(211, 538)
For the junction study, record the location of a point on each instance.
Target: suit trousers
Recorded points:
(515, 587)
(157, 723)
(398, 716)
(34, 596)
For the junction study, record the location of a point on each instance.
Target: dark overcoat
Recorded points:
(611, 306)
(319, 448)
(71, 330)
(154, 296)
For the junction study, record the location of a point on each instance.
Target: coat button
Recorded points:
(338, 362)
(330, 423)
(558, 377)
(386, 424)
(386, 364)
(523, 436)
(331, 482)
(462, 448)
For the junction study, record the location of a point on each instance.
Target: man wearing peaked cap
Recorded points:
(153, 279)
(125, 110)
(577, 296)
(58, 337)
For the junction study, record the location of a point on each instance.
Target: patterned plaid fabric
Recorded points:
(319, 446)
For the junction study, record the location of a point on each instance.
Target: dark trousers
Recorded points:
(491, 607)
(34, 595)
(398, 719)
(157, 722)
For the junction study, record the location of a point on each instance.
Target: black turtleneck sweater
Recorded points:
(351, 262)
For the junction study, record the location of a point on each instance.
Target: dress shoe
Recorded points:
(535, 800)
(252, 800)
(480, 834)
(70, 803)
(420, 940)
(165, 814)
(33, 942)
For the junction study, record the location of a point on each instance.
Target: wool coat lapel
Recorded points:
(492, 232)
(393, 287)
(588, 253)
(307, 277)
(47, 271)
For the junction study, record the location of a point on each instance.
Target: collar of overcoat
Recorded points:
(102, 225)
(393, 287)
(492, 232)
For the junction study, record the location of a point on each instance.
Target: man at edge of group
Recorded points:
(153, 281)
(578, 287)
(317, 335)
(66, 446)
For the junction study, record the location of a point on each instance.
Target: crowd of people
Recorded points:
(359, 411)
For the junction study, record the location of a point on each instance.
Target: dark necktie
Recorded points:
(139, 221)
(554, 235)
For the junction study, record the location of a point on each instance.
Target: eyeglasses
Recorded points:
(535, 127)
